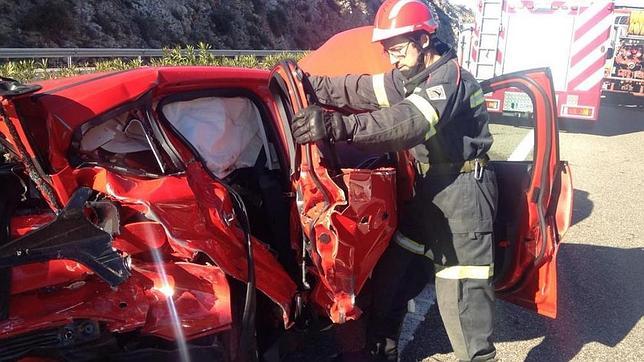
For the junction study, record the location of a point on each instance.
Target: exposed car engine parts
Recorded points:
(50, 341)
(71, 236)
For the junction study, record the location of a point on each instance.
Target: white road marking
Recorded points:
(523, 149)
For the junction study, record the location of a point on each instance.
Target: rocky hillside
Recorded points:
(224, 24)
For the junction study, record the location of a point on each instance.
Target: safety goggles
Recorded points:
(398, 51)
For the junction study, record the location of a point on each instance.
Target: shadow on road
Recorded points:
(598, 302)
(613, 121)
(582, 206)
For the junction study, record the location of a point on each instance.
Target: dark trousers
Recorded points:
(466, 306)
(448, 224)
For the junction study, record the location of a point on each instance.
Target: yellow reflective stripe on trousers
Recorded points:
(428, 112)
(409, 244)
(380, 91)
(466, 272)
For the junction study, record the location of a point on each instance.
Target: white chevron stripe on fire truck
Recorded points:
(587, 13)
(592, 80)
(594, 44)
(586, 62)
(599, 25)
(475, 45)
(498, 69)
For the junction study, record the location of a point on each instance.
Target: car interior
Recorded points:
(117, 140)
(513, 179)
(229, 132)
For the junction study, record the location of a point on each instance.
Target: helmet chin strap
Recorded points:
(434, 43)
(420, 62)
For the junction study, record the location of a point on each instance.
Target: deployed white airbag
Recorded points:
(115, 136)
(225, 131)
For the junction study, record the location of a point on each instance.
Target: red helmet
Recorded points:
(398, 17)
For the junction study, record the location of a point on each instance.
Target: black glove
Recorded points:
(313, 124)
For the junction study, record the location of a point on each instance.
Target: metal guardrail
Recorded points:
(70, 53)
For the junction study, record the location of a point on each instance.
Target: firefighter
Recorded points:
(432, 107)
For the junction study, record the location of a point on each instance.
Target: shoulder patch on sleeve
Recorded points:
(476, 99)
(436, 93)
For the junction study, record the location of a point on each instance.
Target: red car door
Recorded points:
(535, 202)
(535, 196)
(347, 215)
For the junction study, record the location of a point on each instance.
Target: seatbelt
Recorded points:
(421, 77)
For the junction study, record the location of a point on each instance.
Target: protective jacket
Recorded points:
(440, 115)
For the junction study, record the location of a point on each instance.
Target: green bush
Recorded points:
(32, 71)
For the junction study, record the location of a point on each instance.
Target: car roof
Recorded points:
(78, 99)
(83, 84)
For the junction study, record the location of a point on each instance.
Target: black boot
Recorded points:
(385, 349)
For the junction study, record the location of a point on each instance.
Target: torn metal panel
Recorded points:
(12, 131)
(193, 224)
(347, 216)
(70, 236)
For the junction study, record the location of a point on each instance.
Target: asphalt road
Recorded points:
(600, 263)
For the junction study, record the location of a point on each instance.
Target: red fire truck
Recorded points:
(569, 37)
(624, 80)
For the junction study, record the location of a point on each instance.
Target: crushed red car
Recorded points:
(164, 212)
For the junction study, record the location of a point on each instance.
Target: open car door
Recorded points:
(535, 197)
(347, 215)
(535, 202)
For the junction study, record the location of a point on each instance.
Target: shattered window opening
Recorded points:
(122, 142)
